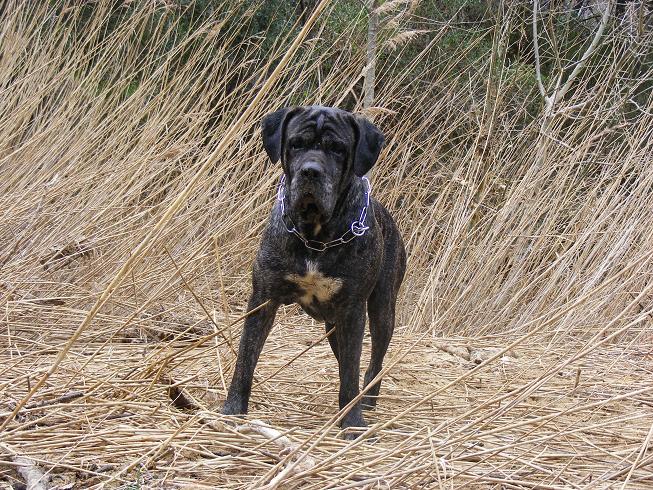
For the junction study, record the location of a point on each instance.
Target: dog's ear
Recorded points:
(369, 144)
(272, 129)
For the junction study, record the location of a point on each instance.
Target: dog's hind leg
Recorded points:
(381, 312)
(255, 332)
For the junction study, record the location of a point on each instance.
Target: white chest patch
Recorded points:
(315, 285)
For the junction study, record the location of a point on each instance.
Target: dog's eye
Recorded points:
(296, 144)
(337, 148)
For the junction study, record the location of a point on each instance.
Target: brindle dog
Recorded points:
(328, 246)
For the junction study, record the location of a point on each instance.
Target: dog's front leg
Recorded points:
(349, 332)
(256, 330)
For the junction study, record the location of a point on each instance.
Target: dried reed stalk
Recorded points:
(133, 192)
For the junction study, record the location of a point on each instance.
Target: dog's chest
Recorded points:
(314, 285)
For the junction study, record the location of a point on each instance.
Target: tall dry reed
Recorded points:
(133, 190)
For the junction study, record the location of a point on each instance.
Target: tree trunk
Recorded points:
(370, 69)
(304, 11)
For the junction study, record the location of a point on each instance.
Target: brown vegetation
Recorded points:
(131, 213)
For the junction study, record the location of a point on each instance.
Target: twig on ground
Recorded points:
(286, 446)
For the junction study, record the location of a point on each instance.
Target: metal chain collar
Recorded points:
(357, 228)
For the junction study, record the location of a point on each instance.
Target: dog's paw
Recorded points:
(352, 433)
(233, 408)
(355, 433)
(353, 425)
(368, 402)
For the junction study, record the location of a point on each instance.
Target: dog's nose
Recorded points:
(311, 170)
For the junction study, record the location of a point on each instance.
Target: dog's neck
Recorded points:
(347, 210)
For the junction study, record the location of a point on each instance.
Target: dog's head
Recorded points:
(321, 150)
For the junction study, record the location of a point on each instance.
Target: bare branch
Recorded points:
(370, 69)
(538, 71)
(590, 50)
(35, 478)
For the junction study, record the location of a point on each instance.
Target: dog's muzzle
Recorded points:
(311, 199)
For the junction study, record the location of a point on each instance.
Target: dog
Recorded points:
(328, 245)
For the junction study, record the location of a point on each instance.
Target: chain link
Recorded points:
(357, 228)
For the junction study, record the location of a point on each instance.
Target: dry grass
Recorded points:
(131, 212)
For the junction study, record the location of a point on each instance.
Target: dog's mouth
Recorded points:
(309, 208)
